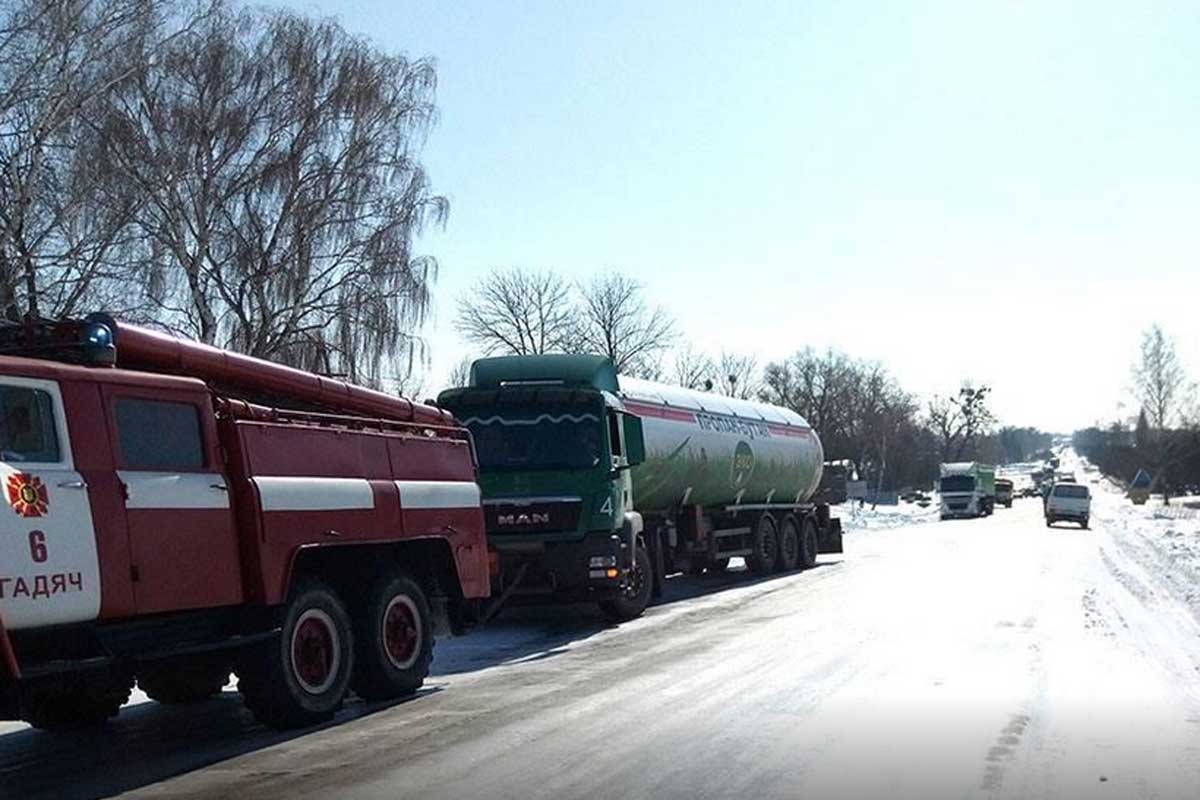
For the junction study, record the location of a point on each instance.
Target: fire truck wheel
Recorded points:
(789, 544)
(301, 678)
(65, 708)
(635, 592)
(808, 544)
(765, 547)
(183, 683)
(394, 639)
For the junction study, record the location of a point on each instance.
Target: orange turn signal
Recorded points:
(612, 573)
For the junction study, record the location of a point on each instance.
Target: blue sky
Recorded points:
(1002, 191)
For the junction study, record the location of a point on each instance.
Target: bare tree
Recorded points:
(959, 420)
(616, 322)
(857, 409)
(1161, 385)
(408, 383)
(692, 369)
(59, 220)
(518, 312)
(737, 375)
(1159, 381)
(817, 386)
(277, 159)
(460, 373)
(883, 411)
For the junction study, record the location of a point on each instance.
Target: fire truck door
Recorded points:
(181, 526)
(49, 572)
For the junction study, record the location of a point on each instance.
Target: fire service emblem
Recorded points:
(27, 495)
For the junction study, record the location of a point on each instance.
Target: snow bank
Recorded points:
(856, 519)
(1165, 540)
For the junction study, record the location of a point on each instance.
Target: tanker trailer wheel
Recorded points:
(393, 637)
(181, 683)
(635, 590)
(765, 547)
(808, 544)
(301, 677)
(789, 544)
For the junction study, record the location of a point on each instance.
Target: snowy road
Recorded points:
(981, 658)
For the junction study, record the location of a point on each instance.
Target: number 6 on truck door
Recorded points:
(49, 572)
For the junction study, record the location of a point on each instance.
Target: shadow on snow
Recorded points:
(150, 742)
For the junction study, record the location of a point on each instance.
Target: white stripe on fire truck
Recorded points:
(314, 494)
(438, 494)
(174, 490)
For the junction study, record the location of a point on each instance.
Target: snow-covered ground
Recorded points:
(1164, 540)
(982, 658)
(859, 519)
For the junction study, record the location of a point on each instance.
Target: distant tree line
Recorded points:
(246, 177)
(1022, 444)
(1164, 438)
(857, 407)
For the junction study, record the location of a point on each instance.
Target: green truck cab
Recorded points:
(555, 455)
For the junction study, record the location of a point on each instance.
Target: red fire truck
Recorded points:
(177, 512)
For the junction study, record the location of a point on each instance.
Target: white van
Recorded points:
(1068, 501)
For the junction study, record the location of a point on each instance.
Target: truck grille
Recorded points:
(532, 515)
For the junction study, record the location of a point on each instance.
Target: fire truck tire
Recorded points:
(808, 544)
(301, 677)
(76, 707)
(635, 596)
(765, 547)
(789, 544)
(183, 683)
(394, 639)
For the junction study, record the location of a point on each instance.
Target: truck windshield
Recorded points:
(958, 483)
(567, 438)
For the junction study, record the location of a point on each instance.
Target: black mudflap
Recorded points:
(829, 538)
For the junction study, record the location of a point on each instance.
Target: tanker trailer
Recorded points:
(595, 487)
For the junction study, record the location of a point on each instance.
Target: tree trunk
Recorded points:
(30, 276)
(882, 469)
(8, 289)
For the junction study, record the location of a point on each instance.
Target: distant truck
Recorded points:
(177, 512)
(967, 489)
(595, 487)
(1004, 492)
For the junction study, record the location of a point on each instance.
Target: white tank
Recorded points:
(710, 450)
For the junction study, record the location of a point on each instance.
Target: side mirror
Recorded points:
(635, 442)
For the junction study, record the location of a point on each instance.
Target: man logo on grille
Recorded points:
(27, 495)
(532, 518)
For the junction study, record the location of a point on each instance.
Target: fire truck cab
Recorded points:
(178, 512)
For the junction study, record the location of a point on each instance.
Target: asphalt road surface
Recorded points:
(975, 658)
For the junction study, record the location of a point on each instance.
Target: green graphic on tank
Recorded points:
(682, 467)
(743, 465)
